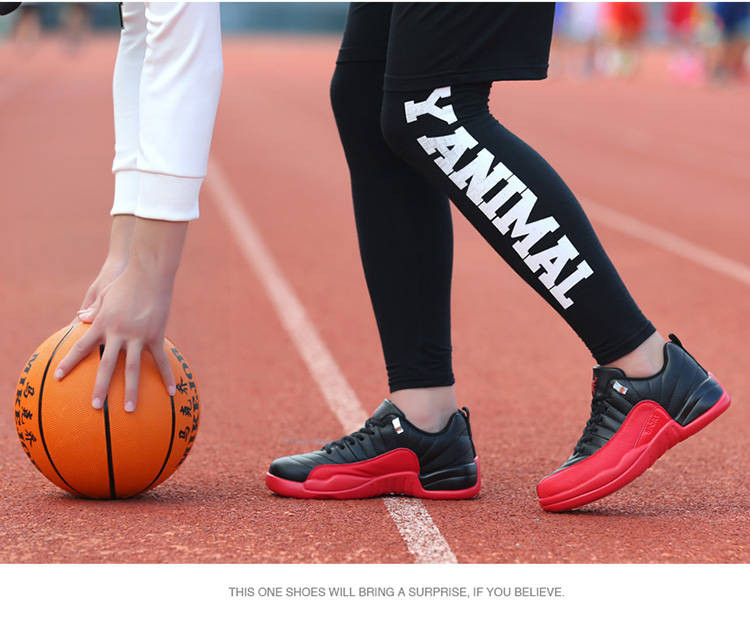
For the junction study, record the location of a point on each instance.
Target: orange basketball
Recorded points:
(109, 453)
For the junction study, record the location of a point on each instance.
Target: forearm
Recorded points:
(118, 256)
(155, 251)
(120, 237)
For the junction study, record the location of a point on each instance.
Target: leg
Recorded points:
(405, 236)
(519, 204)
(525, 211)
(418, 443)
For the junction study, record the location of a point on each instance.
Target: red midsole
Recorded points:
(396, 472)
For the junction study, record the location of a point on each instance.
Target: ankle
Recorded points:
(644, 361)
(427, 408)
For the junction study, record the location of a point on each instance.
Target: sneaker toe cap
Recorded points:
(292, 468)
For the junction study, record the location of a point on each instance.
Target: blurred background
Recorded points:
(689, 42)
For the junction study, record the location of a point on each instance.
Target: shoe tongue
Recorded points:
(602, 377)
(385, 409)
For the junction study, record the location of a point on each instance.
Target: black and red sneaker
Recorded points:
(633, 422)
(388, 455)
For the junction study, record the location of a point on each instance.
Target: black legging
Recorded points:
(401, 175)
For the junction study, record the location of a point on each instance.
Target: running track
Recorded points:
(664, 171)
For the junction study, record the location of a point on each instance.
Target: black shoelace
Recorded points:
(598, 410)
(359, 435)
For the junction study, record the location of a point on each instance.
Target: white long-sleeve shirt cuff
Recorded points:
(172, 198)
(156, 196)
(126, 192)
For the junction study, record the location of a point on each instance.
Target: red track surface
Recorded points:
(674, 157)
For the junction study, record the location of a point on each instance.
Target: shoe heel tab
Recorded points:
(676, 341)
(464, 412)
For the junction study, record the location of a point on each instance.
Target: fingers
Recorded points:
(77, 352)
(132, 372)
(108, 362)
(90, 297)
(162, 362)
(88, 313)
(106, 368)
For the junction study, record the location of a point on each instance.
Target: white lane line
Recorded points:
(423, 539)
(420, 533)
(667, 241)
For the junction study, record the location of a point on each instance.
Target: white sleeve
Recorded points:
(178, 89)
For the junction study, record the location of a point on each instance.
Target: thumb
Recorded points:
(88, 314)
(91, 295)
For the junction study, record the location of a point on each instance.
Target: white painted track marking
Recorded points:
(667, 241)
(422, 537)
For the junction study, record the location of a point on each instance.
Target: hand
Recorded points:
(115, 263)
(132, 315)
(132, 312)
(93, 299)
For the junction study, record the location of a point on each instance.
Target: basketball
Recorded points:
(107, 453)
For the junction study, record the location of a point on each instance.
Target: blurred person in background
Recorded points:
(625, 23)
(28, 26)
(76, 22)
(734, 24)
(576, 45)
(74, 19)
(582, 26)
(687, 62)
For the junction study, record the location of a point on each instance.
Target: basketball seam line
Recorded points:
(169, 451)
(108, 439)
(39, 412)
